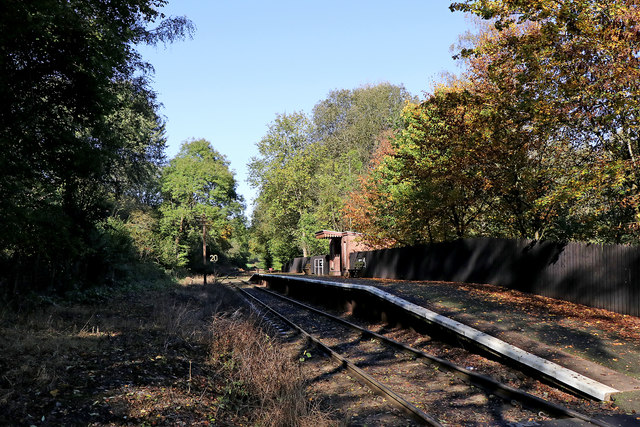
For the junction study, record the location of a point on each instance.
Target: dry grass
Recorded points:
(148, 358)
(260, 376)
(35, 347)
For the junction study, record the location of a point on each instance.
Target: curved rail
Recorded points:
(503, 391)
(372, 383)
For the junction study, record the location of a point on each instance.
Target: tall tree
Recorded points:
(578, 66)
(284, 175)
(200, 205)
(75, 96)
(347, 128)
(307, 166)
(429, 182)
(537, 139)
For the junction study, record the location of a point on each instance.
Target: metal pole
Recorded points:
(204, 248)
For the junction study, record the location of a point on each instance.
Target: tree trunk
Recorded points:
(178, 237)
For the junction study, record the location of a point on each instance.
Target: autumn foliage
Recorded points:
(538, 138)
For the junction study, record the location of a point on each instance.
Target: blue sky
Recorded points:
(249, 60)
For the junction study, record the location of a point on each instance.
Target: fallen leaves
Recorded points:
(130, 372)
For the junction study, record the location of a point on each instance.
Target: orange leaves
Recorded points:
(561, 88)
(538, 137)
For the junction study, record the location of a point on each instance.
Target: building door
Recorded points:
(318, 266)
(344, 256)
(334, 254)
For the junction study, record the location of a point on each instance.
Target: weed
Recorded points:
(151, 356)
(260, 375)
(306, 354)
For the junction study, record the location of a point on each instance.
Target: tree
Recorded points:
(77, 116)
(201, 206)
(286, 137)
(536, 139)
(429, 181)
(347, 128)
(284, 174)
(370, 207)
(577, 65)
(307, 166)
(351, 120)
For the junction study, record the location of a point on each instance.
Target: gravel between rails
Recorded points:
(431, 389)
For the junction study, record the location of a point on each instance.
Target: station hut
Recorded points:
(341, 245)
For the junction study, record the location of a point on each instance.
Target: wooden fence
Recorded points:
(602, 276)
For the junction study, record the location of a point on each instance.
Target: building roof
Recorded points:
(328, 234)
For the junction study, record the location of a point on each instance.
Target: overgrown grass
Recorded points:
(161, 354)
(141, 277)
(259, 377)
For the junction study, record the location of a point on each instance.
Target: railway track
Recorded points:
(429, 389)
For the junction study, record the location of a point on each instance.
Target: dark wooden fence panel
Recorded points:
(296, 265)
(603, 276)
(306, 264)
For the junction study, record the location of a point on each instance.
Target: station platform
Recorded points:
(596, 343)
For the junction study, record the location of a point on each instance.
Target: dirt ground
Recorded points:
(134, 360)
(157, 358)
(146, 358)
(151, 358)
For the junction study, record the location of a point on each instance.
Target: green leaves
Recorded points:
(198, 188)
(536, 139)
(80, 138)
(307, 166)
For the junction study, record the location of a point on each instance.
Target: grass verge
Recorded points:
(179, 355)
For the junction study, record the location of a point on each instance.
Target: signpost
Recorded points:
(212, 258)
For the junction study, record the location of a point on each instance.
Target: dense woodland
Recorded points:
(308, 165)
(537, 137)
(87, 196)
